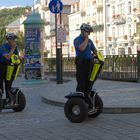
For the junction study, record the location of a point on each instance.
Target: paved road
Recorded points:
(118, 97)
(40, 121)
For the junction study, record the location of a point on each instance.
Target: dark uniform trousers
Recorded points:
(83, 68)
(8, 84)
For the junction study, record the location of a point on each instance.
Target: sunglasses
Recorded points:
(12, 39)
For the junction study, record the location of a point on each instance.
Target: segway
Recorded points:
(76, 108)
(18, 98)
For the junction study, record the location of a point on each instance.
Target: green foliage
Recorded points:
(7, 16)
(2, 35)
(20, 41)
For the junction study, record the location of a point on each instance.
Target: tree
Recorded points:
(20, 41)
(2, 36)
(6, 17)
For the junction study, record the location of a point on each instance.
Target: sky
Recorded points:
(10, 3)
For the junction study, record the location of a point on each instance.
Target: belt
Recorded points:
(83, 59)
(80, 60)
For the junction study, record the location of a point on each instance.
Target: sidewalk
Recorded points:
(118, 97)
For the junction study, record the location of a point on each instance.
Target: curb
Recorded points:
(106, 110)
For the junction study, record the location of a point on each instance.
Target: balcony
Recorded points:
(109, 38)
(83, 13)
(118, 19)
(99, 7)
(125, 37)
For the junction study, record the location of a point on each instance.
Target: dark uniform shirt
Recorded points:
(87, 53)
(5, 49)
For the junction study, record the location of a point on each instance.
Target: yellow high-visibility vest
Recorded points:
(14, 68)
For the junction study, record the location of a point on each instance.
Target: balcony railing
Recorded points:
(118, 19)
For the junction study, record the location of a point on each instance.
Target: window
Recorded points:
(113, 32)
(113, 10)
(129, 30)
(138, 4)
(129, 7)
(118, 31)
(121, 51)
(129, 50)
(88, 3)
(78, 8)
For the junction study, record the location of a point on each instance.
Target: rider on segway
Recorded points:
(7, 50)
(85, 51)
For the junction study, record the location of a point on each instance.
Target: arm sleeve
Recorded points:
(76, 43)
(3, 50)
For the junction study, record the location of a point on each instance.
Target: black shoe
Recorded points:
(91, 111)
(1, 93)
(9, 102)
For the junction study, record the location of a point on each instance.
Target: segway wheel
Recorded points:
(76, 110)
(98, 107)
(21, 102)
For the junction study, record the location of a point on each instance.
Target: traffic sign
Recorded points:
(61, 35)
(55, 6)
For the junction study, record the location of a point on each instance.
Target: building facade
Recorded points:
(120, 27)
(115, 25)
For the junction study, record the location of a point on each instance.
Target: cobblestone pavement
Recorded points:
(40, 121)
